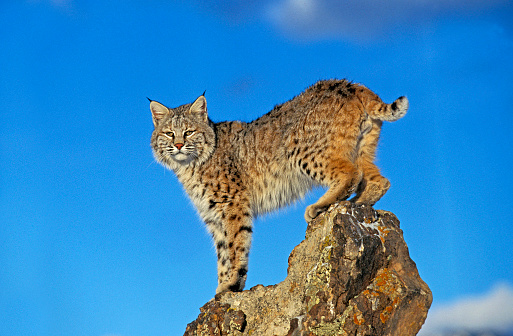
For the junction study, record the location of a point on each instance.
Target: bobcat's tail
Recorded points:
(394, 111)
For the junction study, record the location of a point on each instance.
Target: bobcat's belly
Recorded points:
(274, 191)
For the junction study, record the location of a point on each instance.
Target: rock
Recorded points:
(352, 275)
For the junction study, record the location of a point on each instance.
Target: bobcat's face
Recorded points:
(182, 141)
(182, 136)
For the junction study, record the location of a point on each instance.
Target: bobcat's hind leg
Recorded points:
(343, 178)
(373, 185)
(233, 250)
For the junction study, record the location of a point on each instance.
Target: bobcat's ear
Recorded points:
(158, 111)
(199, 108)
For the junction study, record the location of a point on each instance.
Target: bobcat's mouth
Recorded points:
(180, 156)
(183, 158)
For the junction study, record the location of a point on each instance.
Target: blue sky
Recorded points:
(97, 239)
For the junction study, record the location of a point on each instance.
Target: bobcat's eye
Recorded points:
(169, 134)
(188, 133)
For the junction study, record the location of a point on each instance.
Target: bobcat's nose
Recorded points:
(179, 145)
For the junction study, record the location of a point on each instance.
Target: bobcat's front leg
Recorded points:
(232, 237)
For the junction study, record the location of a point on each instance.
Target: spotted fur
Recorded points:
(234, 171)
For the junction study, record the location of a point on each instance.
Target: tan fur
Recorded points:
(234, 171)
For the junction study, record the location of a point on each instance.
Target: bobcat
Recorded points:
(234, 171)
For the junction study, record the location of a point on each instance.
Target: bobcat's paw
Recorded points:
(221, 288)
(312, 211)
(373, 191)
(236, 285)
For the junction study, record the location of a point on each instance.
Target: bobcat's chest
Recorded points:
(212, 190)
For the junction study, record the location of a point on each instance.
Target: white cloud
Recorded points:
(362, 19)
(492, 312)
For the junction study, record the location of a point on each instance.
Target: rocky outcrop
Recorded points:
(352, 275)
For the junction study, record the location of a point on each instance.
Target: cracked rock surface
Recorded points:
(352, 275)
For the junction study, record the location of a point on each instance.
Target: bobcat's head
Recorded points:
(182, 135)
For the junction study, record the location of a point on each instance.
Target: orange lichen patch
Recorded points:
(383, 232)
(387, 283)
(368, 293)
(382, 279)
(358, 318)
(385, 314)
